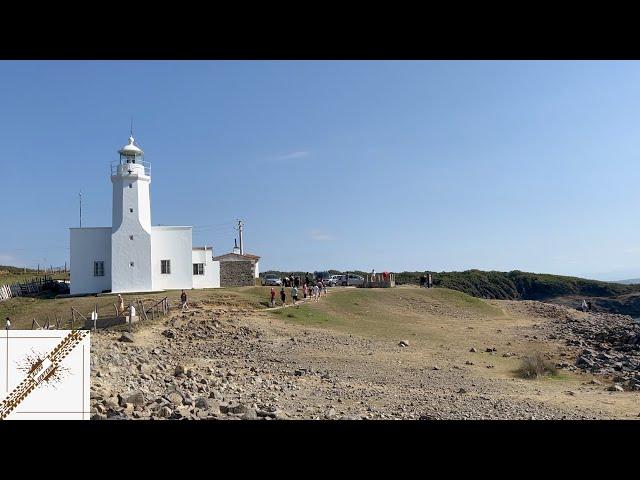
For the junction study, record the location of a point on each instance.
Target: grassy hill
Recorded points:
(22, 310)
(394, 313)
(521, 285)
(514, 285)
(9, 275)
(631, 281)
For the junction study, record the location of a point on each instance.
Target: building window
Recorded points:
(165, 267)
(131, 185)
(131, 210)
(98, 269)
(198, 268)
(130, 237)
(131, 264)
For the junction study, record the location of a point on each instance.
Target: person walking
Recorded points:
(7, 325)
(306, 279)
(283, 296)
(423, 280)
(429, 280)
(272, 303)
(584, 305)
(305, 290)
(589, 305)
(120, 304)
(294, 294)
(183, 300)
(316, 292)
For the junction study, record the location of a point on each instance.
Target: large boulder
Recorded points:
(133, 398)
(175, 398)
(584, 362)
(136, 398)
(164, 412)
(208, 404)
(169, 333)
(126, 337)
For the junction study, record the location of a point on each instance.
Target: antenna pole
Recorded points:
(240, 225)
(80, 195)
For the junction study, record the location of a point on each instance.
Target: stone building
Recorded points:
(238, 270)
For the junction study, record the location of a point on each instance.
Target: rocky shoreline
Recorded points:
(604, 344)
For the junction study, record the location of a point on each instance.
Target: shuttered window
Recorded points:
(98, 269)
(165, 267)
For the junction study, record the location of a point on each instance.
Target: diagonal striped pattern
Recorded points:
(37, 375)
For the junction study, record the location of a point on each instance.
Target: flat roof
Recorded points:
(248, 256)
(86, 228)
(170, 227)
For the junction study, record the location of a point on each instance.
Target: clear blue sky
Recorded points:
(349, 164)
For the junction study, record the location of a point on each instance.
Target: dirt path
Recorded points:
(300, 302)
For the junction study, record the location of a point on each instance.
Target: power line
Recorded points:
(214, 225)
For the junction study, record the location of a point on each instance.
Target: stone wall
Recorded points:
(237, 274)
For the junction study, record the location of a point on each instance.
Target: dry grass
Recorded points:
(23, 310)
(536, 365)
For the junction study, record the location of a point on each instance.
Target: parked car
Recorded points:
(355, 280)
(334, 280)
(322, 276)
(271, 280)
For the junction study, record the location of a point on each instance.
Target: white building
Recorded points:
(132, 255)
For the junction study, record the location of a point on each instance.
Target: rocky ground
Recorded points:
(241, 364)
(606, 345)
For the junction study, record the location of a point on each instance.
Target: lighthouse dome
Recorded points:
(131, 148)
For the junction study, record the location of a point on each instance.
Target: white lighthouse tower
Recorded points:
(131, 226)
(132, 255)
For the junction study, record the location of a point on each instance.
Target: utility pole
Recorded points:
(80, 195)
(239, 228)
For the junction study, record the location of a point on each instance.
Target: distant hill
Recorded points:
(631, 281)
(517, 285)
(9, 269)
(514, 285)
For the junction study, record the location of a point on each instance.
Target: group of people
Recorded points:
(426, 280)
(586, 305)
(307, 291)
(376, 277)
(295, 281)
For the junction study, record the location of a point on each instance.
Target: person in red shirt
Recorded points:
(273, 297)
